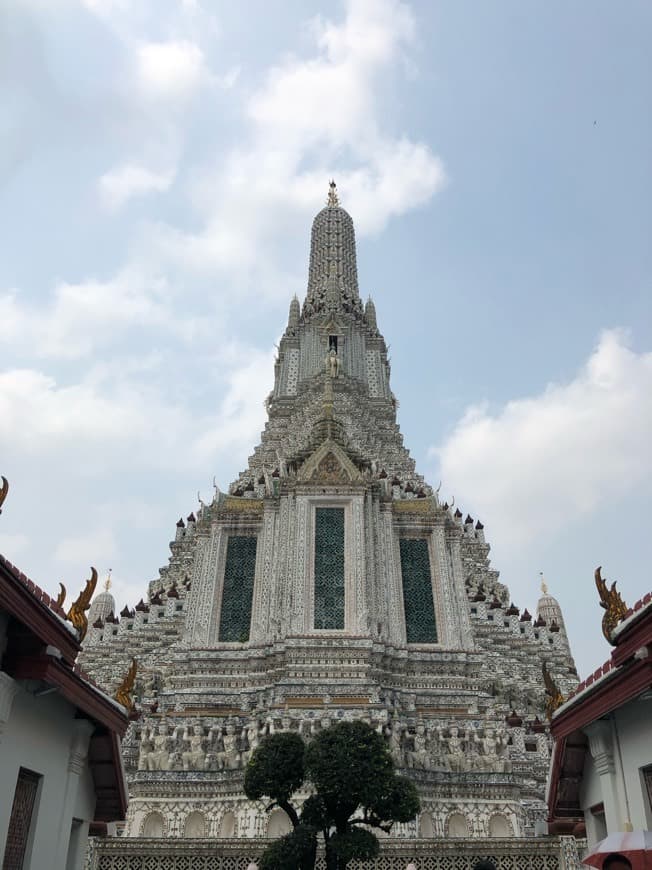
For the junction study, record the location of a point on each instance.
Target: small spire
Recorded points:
(107, 582)
(544, 585)
(333, 199)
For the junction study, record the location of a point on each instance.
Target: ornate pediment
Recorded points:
(329, 465)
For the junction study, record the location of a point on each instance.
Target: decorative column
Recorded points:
(462, 626)
(8, 688)
(600, 736)
(82, 730)
(202, 590)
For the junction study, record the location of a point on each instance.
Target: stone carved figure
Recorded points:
(229, 758)
(419, 756)
(253, 739)
(394, 733)
(154, 748)
(333, 363)
(146, 748)
(492, 748)
(455, 756)
(194, 758)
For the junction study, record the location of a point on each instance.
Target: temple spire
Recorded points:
(332, 271)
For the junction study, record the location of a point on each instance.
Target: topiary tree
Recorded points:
(355, 787)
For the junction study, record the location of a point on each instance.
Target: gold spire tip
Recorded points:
(333, 199)
(544, 585)
(107, 582)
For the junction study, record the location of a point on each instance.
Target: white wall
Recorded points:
(613, 775)
(634, 736)
(42, 735)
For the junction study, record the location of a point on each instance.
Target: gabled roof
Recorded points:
(623, 677)
(44, 647)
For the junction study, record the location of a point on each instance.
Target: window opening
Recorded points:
(20, 821)
(238, 588)
(420, 624)
(329, 568)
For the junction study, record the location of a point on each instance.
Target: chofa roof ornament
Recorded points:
(125, 690)
(77, 612)
(613, 604)
(4, 489)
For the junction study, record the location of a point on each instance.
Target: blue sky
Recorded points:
(160, 164)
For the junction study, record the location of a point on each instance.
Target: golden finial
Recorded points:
(613, 604)
(61, 597)
(544, 585)
(107, 582)
(554, 698)
(3, 491)
(77, 612)
(126, 687)
(333, 199)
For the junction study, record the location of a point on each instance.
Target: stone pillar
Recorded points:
(600, 736)
(203, 590)
(453, 539)
(260, 616)
(77, 758)
(8, 688)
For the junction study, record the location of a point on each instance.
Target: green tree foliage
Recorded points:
(276, 770)
(355, 788)
(294, 851)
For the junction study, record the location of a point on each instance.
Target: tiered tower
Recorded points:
(331, 583)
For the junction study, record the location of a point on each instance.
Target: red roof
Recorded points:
(44, 647)
(624, 676)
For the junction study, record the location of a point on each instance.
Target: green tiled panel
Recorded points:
(420, 622)
(329, 568)
(238, 588)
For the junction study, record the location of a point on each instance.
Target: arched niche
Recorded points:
(227, 825)
(457, 825)
(195, 826)
(499, 826)
(426, 827)
(153, 825)
(278, 824)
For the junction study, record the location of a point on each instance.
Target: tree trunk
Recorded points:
(308, 862)
(331, 858)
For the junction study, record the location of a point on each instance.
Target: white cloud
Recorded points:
(123, 182)
(332, 96)
(171, 69)
(539, 461)
(311, 118)
(94, 547)
(83, 318)
(132, 422)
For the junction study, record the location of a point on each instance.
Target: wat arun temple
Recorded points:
(331, 582)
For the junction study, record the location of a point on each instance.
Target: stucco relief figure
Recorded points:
(455, 757)
(394, 733)
(253, 740)
(229, 758)
(146, 748)
(434, 747)
(332, 363)
(492, 749)
(418, 756)
(194, 757)
(158, 758)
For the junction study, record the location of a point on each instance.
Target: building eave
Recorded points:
(28, 604)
